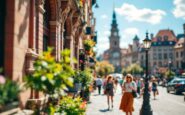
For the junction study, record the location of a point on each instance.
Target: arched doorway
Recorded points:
(2, 31)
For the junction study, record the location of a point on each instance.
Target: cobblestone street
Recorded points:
(164, 105)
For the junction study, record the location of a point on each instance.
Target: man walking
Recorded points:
(99, 84)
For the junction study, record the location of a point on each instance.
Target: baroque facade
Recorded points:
(28, 27)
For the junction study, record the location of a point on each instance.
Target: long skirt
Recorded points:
(127, 102)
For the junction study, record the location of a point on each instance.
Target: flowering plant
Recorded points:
(70, 106)
(88, 44)
(51, 77)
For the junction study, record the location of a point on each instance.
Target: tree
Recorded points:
(170, 74)
(133, 69)
(104, 68)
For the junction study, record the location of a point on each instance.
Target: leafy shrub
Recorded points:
(50, 76)
(9, 92)
(70, 106)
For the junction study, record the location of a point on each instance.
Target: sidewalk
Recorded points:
(98, 105)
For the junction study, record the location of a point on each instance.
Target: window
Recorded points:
(46, 18)
(160, 64)
(165, 56)
(159, 56)
(181, 53)
(177, 54)
(159, 38)
(115, 43)
(159, 49)
(165, 38)
(45, 43)
(154, 56)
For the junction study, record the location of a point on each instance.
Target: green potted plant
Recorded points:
(88, 45)
(70, 106)
(9, 94)
(51, 77)
(87, 79)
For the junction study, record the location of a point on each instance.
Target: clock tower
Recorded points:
(114, 38)
(114, 50)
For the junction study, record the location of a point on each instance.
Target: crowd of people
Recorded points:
(131, 87)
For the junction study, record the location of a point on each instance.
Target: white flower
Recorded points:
(43, 78)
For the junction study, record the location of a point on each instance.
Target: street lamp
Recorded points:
(146, 107)
(169, 64)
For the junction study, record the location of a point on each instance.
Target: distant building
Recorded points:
(161, 53)
(113, 54)
(179, 54)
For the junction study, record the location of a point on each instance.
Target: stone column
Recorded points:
(54, 38)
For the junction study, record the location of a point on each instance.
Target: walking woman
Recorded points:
(127, 100)
(154, 87)
(109, 87)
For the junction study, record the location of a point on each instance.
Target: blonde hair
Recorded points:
(129, 76)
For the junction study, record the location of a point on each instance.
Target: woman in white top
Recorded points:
(127, 100)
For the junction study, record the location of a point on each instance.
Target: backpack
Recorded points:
(108, 86)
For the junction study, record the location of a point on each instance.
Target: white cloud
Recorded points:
(104, 16)
(103, 41)
(127, 36)
(179, 11)
(132, 13)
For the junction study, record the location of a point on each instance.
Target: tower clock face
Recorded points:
(115, 33)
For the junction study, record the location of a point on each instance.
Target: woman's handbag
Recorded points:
(134, 94)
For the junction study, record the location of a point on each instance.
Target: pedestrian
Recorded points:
(116, 83)
(109, 90)
(121, 81)
(154, 87)
(99, 84)
(138, 86)
(127, 100)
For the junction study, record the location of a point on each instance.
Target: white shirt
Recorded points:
(98, 81)
(128, 86)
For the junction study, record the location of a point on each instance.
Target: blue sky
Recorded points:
(136, 17)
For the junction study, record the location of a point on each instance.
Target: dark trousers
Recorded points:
(99, 89)
(138, 90)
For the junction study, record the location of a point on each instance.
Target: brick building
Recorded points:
(28, 27)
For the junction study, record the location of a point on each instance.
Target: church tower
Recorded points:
(114, 41)
(114, 38)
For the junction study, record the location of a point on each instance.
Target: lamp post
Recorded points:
(146, 107)
(169, 64)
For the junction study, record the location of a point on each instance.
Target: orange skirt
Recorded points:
(127, 102)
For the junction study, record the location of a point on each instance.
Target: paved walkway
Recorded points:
(98, 105)
(166, 104)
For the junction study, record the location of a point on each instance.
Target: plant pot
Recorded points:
(9, 106)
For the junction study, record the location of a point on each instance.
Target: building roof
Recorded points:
(180, 43)
(165, 35)
(136, 38)
(179, 36)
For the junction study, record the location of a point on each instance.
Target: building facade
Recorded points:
(161, 53)
(28, 27)
(179, 55)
